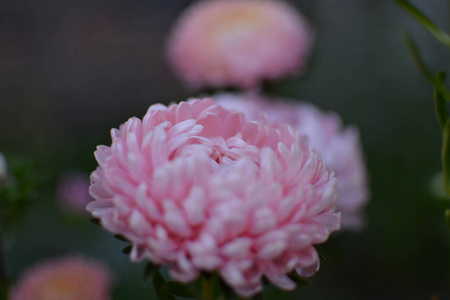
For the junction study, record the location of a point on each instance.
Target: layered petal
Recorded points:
(199, 188)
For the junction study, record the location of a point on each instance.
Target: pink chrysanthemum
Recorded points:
(198, 188)
(70, 278)
(73, 192)
(238, 43)
(339, 147)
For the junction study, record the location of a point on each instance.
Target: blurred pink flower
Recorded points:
(238, 43)
(73, 192)
(339, 147)
(70, 278)
(3, 169)
(198, 188)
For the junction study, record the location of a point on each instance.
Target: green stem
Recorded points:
(449, 14)
(208, 287)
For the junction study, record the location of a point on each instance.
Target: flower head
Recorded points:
(70, 278)
(73, 191)
(199, 188)
(339, 147)
(238, 43)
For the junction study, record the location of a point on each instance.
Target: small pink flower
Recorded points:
(73, 192)
(198, 188)
(339, 147)
(238, 43)
(70, 278)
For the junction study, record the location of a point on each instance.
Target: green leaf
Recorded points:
(447, 217)
(96, 221)
(412, 47)
(121, 237)
(322, 259)
(446, 156)
(300, 281)
(149, 270)
(127, 249)
(227, 291)
(158, 282)
(420, 17)
(439, 85)
(440, 104)
(178, 289)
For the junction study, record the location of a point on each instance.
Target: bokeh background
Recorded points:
(72, 70)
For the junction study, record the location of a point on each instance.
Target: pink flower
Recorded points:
(73, 192)
(198, 188)
(238, 43)
(339, 147)
(70, 278)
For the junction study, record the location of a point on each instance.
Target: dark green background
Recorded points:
(71, 70)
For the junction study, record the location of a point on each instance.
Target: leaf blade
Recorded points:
(178, 289)
(127, 250)
(158, 282)
(299, 281)
(426, 23)
(121, 238)
(96, 221)
(440, 104)
(439, 85)
(149, 271)
(227, 291)
(446, 156)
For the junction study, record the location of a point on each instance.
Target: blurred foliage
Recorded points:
(18, 192)
(441, 93)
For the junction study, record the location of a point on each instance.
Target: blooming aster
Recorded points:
(238, 43)
(339, 147)
(69, 278)
(197, 187)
